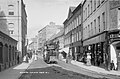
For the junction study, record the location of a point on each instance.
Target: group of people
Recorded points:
(29, 56)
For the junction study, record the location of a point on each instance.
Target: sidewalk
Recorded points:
(94, 68)
(15, 72)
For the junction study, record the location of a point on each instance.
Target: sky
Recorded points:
(41, 12)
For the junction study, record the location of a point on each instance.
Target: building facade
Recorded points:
(101, 32)
(45, 34)
(73, 31)
(15, 17)
(8, 51)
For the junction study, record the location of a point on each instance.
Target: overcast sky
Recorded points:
(41, 12)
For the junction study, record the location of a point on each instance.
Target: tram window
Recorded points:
(118, 48)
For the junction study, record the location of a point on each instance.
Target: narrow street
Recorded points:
(40, 70)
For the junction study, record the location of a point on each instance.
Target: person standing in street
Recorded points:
(88, 59)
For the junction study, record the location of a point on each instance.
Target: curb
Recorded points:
(24, 70)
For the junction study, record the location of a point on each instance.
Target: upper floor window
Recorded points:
(11, 13)
(11, 9)
(103, 17)
(94, 4)
(98, 3)
(88, 30)
(95, 25)
(91, 5)
(99, 23)
(86, 13)
(88, 10)
(91, 28)
(79, 19)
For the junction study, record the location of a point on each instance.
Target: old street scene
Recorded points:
(59, 39)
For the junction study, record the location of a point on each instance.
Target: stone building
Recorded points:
(45, 34)
(73, 31)
(8, 51)
(101, 32)
(13, 14)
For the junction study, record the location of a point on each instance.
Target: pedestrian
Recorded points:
(112, 66)
(60, 56)
(88, 59)
(18, 59)
(35, 56)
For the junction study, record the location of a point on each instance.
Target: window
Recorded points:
(91, 29)
(103, 16)
(11, 9)
(88, 10)
(84, 16)
(79, 19)
(86, 13)
(95, 25)
(98, 3)
(11, 13)
(94, 4)
(88, 30)
(99, 23)
(80, 34)
(91, 5)
(11, 31)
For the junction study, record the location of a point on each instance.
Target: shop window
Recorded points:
(118, 47)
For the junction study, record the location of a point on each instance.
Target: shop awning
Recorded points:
(66, 50)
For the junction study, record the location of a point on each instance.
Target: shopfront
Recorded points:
(114, 43)
(76, 50)
(97, 46)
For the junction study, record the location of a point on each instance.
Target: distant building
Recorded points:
(59, 37)
(46, 33)
(13, 15)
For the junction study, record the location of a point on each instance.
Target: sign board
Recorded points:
(51, 47)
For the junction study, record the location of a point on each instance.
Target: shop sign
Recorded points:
(114, 35)
(97, 39)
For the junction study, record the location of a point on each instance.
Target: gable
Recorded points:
(71, 9)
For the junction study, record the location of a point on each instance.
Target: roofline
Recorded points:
(41, 29)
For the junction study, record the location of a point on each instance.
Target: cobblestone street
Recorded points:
(40, 70)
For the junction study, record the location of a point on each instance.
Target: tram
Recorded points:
(49, 53)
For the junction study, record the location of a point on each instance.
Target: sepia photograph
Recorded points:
(59, 39)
